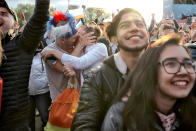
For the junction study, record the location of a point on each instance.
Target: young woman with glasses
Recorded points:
(158, 93)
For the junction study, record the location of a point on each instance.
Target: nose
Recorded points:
(182, 70)
(133, 28)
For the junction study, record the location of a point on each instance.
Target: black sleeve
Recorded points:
(35, 28)
(88, 117)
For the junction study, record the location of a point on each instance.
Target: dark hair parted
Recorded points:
(139, 111)
(109, 31)
(117, 18)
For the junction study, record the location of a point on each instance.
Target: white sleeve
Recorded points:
(97, 53)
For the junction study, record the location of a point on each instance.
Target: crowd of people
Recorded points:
(130, 77)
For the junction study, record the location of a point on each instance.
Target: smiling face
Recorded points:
(6, 20)
(132, 33)
(177, 85)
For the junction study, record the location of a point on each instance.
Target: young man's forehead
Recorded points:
(135, 17)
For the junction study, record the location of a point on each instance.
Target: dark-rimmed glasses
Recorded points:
(173, 66)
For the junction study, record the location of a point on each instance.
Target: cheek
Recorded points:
(118, 35)
(145, 34)
(9, 23)
(163, 77)
(120, 32)
(193, 76)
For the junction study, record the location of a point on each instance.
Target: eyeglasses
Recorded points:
(173, 66)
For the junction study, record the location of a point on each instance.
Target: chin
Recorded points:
(181, 95)
(133, 48)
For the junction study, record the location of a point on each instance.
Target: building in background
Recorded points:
(179, 7)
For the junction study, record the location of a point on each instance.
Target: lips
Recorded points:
(180, 83)
(133, 37)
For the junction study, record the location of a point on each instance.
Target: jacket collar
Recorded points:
(120, 64)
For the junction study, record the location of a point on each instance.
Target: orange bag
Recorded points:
(64, 108)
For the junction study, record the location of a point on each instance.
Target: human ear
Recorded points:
(16, 25)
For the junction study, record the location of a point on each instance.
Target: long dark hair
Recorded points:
(142, 82)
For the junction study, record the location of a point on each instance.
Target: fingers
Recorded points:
(89, 34)
(69, 71)
(90, 42)
(87, 39)
(46, 54)
(43, 55)
(69, 74)
(92, 37)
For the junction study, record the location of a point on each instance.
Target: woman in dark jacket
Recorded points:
(158, 93)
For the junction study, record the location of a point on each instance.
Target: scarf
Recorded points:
(167, 121)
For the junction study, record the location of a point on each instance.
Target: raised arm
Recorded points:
(36, 26)
(99, 52)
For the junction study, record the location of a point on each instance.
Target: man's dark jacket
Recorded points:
(97, 95)
(15, 69)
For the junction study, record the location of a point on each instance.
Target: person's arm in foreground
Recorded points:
(36, 27)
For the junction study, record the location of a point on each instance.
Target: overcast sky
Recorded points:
(146, 7)
(60, 4)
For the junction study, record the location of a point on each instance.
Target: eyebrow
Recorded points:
(124, 22)
(3, 12)
(174, 58)
(128, 21)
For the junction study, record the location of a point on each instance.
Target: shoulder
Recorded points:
(108, 65)
(104, 74)
(113, 120)
(116, 109)
(49, 47)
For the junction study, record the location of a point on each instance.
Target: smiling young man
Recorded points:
(16, 64)
(103, 84)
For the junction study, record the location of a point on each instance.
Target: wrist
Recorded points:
(80, 46)
(57, 54)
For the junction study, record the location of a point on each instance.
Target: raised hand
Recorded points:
(86, 39)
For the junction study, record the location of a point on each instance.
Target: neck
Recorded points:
(164, 104)
(130, 58)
